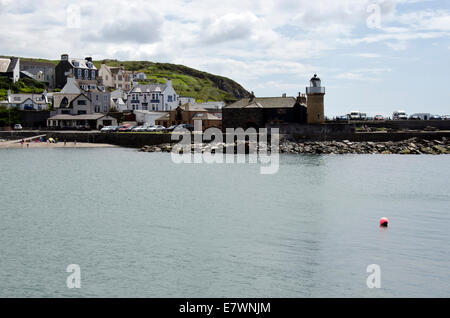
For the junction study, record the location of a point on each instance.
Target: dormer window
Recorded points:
(75, 63)
(89, 64)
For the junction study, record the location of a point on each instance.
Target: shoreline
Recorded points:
(44, 145)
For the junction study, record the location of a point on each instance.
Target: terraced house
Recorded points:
(80, 69)
(154, 97)
(80, 97)
(116, 77)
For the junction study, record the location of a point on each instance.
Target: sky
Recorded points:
(373, 56)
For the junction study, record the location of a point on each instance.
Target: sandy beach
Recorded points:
(28, 145)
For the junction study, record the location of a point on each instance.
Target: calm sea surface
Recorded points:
(139, 225)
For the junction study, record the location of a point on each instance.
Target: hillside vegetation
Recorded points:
(24, 85)
(186, 81)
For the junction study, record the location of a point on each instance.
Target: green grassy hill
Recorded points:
(25, 85)
(186, 81)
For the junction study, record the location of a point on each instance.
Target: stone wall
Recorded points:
(134, 140)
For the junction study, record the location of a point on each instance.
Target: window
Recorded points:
(93, 74)
(105, 98)
(64, 102)
(17, 99)
(96, 97)
(169, 98)
(106, 77)
(79, 72)
(86, 73)
(81, 102)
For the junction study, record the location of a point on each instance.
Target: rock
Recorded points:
(404, 152)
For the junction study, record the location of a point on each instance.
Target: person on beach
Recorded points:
(65, 142)
(75, 142)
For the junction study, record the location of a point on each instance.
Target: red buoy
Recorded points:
(384, 222)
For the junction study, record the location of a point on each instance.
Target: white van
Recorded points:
(399, 115)
(355, 115)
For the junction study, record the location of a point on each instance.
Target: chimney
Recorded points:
(284, 95)
(169, 82)
(64, 57)
(89, 59)
(301, 98)
(252, 96)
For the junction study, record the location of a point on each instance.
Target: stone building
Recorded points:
(116, 77)
(79, 97)
(261, 112)
(41, 71)
(187, 114)
(80, 69)
(257, 112)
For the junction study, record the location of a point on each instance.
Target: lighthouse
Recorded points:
(315, 109)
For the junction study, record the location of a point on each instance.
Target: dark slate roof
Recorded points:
(13, 64)
(81, 63)
(264, 102)
(149, 88)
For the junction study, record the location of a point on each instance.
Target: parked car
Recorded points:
(171, 128)
(124, 127)
(399, 115)
(378, 117)
(185, 126)
(139, 129)
(355, 115)
(342, 118)
(156, 128)
(131, 127)
(435, 117)
(18, 127)
(446, 117)
(109, 129)
(414, 117)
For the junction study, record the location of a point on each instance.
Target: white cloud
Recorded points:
(247, 40)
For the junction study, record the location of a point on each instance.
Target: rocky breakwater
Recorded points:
(413, 146)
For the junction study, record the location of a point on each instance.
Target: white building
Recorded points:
(153, 97)
(147, 117)
(29, 101)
